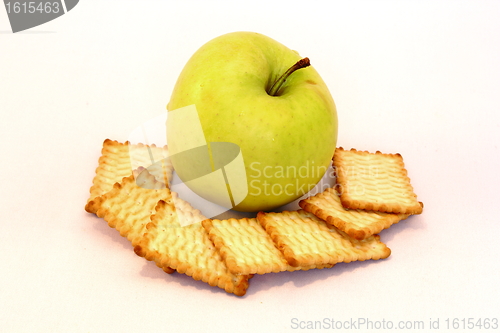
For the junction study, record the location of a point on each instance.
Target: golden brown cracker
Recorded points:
(188, 250)
(247, 248)
(304, 239)
(357, 223)
(374, 181)
(130, 203)
(118, 160)
(186, 214)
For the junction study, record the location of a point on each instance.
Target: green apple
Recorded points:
(256, 93)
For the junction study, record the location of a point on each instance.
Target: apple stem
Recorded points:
(302, 63)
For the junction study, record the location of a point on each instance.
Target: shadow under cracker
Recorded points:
(412, 222)
(151, 271)
(102, 227)
(260, 283)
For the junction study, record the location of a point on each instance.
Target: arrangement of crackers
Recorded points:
(131, 193)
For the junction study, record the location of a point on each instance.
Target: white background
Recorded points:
(414, 77)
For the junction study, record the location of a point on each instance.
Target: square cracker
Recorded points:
(357, 223)
(247, 248)
(118, 160)
(188, 250)
(374, 182)
(304, 239)
(128, 206)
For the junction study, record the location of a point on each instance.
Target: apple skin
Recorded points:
(287, 141)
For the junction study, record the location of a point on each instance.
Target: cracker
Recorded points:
(130, 203)
(188, 250)
(118, 160)
(374, 182)
(128, 206)
(357, 223)
(304, 239)
(247, 248)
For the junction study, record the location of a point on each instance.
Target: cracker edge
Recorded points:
(111, 220)
(284, 248)
(290, 256)
(365, 205)
(220, 245)
(106, 143)
(141, 249)
(231, 262)
(356, 233)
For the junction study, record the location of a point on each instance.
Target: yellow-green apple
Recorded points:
(254, 92)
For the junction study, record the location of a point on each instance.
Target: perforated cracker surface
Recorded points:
(118, 160)
(187, 249)
(357, 223)
(130, 204)
(304, 239)
(247, 248)
(374, 182)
